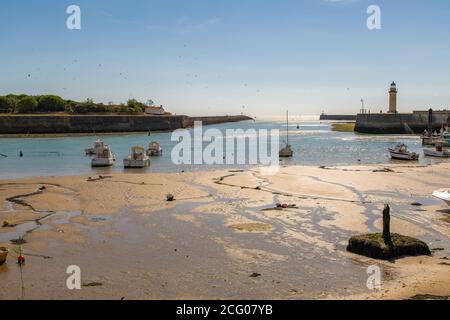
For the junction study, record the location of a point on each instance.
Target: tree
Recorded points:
(135, 106)
(6, 105)
(51, 103)
(27, 105)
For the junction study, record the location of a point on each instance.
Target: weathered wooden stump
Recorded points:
(387, 222)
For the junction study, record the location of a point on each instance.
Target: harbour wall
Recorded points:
(400, 123)
(218, 119)
(60, 124)
(338, 117)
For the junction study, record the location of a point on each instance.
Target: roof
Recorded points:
(153, 108)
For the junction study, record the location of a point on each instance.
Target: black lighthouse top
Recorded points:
(393, 87)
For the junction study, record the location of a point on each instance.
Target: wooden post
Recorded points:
(386, 222)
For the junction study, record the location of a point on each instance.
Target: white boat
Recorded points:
(98, 145)
(103, 157)
(401, 152)
(154, 149)
(287, 151)
(438, 151)
(137, 158)
(443, 194)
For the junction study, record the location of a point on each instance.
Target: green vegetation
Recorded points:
(25, 104)
(343, 127)
(375, 246)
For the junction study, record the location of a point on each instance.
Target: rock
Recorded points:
(92, 284)
(383, 170)
(416, 204)
(255, 275)
(18, 241)
(170, 197)
(377, 247)
(5, 224)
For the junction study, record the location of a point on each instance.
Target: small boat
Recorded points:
(137, 158)
(443, 194)
(99, 144)
(401, 152)
(103, 157)
(154, 149)
(287, 151)
(438, 151)
(3, 255)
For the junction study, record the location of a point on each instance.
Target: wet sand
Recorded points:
(223, 237)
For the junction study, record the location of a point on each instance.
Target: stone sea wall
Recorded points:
(59, 124)
(400, 123)
(338, 117)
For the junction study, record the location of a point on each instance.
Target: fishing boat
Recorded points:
(99, 144)
(154, 149)
(287, 151)
(443, 194)
(400, 152)
(438, 151)
(103, 157)
(137, 158)
(3, 255)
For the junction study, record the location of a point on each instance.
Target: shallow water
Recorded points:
(314, 144)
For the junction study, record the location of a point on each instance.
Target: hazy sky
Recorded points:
(216, 56)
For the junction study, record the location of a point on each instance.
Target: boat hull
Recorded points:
(443, 195)
(403, 156)
(437, 154)
(154, 153)
(3, 255)
(102, 162)
(131, 164)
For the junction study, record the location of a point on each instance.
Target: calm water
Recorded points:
(314, 144)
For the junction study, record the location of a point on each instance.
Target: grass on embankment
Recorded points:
(343, 127)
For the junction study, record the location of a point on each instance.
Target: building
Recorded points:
(393, 98)
(156, 111)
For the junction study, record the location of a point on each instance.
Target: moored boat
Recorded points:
(103, 157)
(287, 151)
(154, 149)
(99, 144)
(443, 194)
(400, 152)
(438, 151)
(137, 158)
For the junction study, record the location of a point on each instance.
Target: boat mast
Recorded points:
(287, 127)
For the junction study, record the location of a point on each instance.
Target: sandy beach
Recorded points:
(223, 237)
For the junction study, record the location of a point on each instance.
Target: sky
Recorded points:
(214, 57)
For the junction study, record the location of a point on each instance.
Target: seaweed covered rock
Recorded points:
(376, 246)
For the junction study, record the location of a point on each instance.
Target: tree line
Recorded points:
(26, 104)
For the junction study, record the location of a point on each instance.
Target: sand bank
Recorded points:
(223, 227)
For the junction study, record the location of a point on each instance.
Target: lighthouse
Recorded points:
(393, 98)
